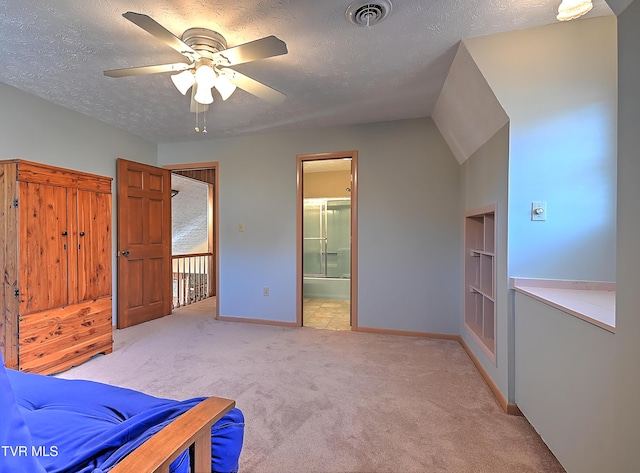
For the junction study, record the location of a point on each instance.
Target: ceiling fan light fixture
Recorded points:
(183, 81)
(225, 87)
(203, 95)
(572, 9)
(205, 76)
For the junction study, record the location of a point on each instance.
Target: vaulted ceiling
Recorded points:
(335, 73)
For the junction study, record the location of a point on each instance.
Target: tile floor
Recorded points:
(326, 313)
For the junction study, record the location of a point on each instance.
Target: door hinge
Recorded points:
(15, 203)
(16, 293)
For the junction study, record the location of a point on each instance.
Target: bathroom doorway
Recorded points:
(327, 237)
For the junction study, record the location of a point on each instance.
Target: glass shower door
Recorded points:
(338, 241)
(314, 236)
(327, 238)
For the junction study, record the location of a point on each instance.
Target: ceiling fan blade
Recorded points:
(151, 26)
(252, 51)
(254, 87)
(142, 70)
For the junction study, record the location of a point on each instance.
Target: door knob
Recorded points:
(125, 253)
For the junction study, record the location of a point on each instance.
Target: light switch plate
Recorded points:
(538, 211)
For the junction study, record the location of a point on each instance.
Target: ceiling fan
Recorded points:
(208, 63)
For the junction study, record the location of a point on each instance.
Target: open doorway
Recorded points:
(327, 240)
(194, 235)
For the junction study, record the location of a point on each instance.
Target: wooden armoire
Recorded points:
(55, 231)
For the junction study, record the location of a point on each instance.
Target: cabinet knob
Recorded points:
(64, 233)
(81, 233)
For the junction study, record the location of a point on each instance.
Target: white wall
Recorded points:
(558, 84)
(36, 130)
(625, 391)
(408, 211)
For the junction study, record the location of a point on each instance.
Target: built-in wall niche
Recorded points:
(479, 277)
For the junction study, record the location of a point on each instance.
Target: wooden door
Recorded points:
(144, 243)
(44, 239)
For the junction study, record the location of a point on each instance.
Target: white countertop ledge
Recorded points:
(593, 302)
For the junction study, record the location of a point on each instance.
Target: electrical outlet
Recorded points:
(241, 227)
(265, 291)
(538, 211)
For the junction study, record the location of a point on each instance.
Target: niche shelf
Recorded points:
(479, 277)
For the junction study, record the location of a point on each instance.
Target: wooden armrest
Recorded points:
(191, 428)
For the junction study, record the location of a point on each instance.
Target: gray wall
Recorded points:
(467, 112)
(409, 206)
(625, 391)
(408, 214)
(485, 181)
(562, 104)
(563, 384)
(36, 130)
(558, 84)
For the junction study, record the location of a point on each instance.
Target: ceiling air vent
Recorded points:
(363, 13)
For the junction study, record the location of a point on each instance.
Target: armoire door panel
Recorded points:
(93, 235)
(43, 247)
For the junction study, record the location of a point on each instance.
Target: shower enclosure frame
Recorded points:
(322, 239)
(324, 206)
(353, 291)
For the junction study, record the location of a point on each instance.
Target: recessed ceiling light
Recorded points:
(368, 13)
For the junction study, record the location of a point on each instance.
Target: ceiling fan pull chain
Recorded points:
(197, 121)
(204, 130)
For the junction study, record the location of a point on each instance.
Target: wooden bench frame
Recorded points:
(191, 430)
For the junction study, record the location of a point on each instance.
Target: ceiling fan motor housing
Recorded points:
(206, 42)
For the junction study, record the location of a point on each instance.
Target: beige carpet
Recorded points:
(324, 401)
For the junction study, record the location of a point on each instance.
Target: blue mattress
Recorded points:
(87, 427)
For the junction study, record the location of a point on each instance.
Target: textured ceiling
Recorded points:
(334, 74)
